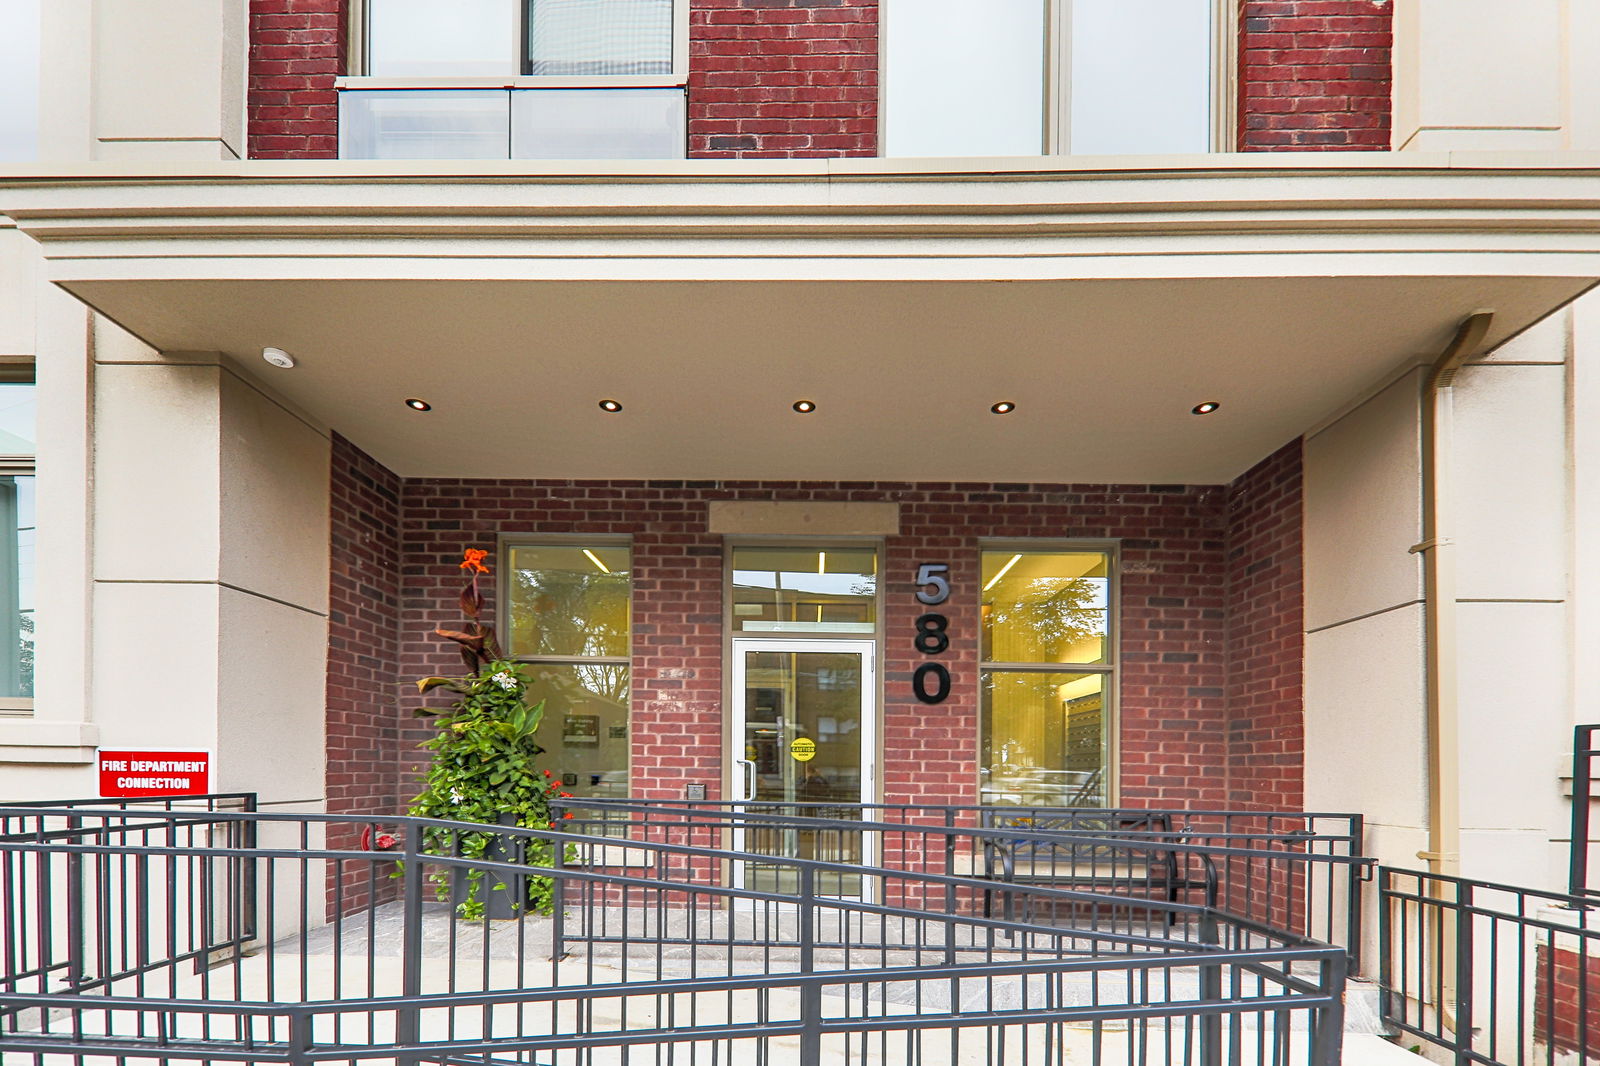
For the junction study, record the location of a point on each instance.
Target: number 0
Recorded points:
(919, 683)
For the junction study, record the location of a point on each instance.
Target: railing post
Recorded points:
(1327, 1042)
(1387, 995)
(1463, 973)
(558, 900)
(1358, 875)
(810, 992)
(76, 932)
(1210, 974)
(1578, 852)
(408, 1018)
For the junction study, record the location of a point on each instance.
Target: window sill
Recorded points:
(27, 740)
(599, 81)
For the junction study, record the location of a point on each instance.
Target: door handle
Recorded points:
(747, 779)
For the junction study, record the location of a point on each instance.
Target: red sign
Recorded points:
(155, 773)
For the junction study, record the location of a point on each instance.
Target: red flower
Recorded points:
(472, 559)
(567, 815)
(547, 773)
(566, 795)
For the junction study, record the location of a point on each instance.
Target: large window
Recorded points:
(520, 79)
(823, 590)
(567, 615)
(17, 541)
(1057, 77)
(19, 81)
(1047, 652)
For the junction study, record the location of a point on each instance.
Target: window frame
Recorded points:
(504, 543)
(357, 77)
(1056, 136)
(1110, 669)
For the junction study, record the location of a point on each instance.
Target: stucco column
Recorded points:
(1480, 75)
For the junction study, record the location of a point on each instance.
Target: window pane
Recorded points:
(1043, 739)
(805, 590)
(429, 39)
(584, 37)
(585, 728)
(19, 80)
(16, 585)
(1141, 76)
(960, 84)
(1045, 607)
(18, 419)
(568, 600)
(598, 124)
(424, 124)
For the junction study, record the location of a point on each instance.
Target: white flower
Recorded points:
(457, 797)
(505, 681)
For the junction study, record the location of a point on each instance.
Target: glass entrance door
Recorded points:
(804, 743)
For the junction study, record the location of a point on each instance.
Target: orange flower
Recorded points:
(472, 559)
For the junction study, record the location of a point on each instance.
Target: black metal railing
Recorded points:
(54, 906)
(655, 951)
(1490, 973)
(1300, 873)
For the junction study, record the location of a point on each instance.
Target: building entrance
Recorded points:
(803, 742)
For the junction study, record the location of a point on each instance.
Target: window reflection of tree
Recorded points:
(566, 612)
(1046, 619)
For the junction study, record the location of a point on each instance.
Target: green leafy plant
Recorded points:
(484, 761)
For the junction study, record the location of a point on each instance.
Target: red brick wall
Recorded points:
(783, 78)
(296, 50)
(1173, 614)
(1566, 1004)
(1314, 75)
(1266, 635)
(363, 662)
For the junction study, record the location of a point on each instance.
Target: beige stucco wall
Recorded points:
(1364, 683)
(182, 506)
(143, 79)
(1511, 524)
(1495, 76)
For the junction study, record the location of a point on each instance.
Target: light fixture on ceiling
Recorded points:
(1204, 408)
(278, 358)
(595, 559)
(418, 405)
(610, 406)
(1004, 407)
(993, 581)
(805, 407)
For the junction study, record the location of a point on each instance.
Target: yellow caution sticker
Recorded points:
(803, 749)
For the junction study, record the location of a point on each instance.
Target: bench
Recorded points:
(1140, 870)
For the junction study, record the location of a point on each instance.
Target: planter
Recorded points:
(502, 896)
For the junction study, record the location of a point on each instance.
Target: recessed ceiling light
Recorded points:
(1204, 408)
(610, 406)
(278, 358)
(805, 407)
(1004, 407)
(419, 405)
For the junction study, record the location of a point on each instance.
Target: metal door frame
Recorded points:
(742, 770)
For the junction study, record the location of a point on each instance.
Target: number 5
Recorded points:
(933, 574)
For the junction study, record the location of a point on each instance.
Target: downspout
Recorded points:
(1437, 549)
(1443, 853)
